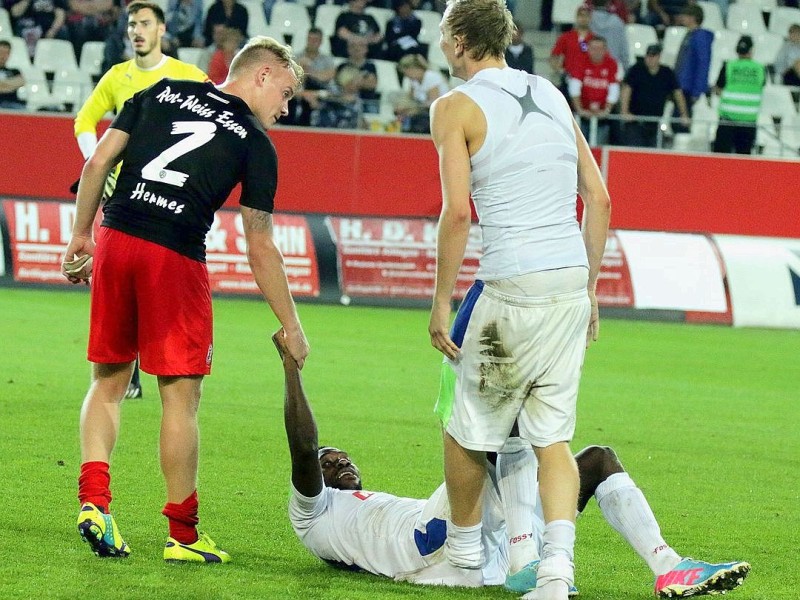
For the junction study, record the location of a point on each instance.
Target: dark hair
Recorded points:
(694, 10)
(315, 30)
(5, 43)
(135, 7)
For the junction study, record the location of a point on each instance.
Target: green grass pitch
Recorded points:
(705, 419)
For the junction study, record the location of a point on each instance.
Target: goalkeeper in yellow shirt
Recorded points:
(146, 27)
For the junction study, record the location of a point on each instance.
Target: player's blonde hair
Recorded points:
(484, 26)
(261, 49)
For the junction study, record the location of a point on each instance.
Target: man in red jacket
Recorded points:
(594, 90)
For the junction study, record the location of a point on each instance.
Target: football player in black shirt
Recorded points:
(185, 145)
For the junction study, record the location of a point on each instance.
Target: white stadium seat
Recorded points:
(325, 18)
(639, 38)
(54, 55)
(19, 58)
(92, 57)
(564, 11)
(388, 79)
(6, 30)
(71, 87)
(195, 56)
(746, 18)
(35, 92)
(256, 21)
(381, 15)
(429, 34)
(712, 15)
(766, 47)
(782, 18)
(290, 17)
(762, 5)
(673, 38)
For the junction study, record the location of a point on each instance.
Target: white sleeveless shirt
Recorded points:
(524, 177)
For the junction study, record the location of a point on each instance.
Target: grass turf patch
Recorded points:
(703, 417)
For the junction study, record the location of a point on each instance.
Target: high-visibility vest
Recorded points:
(744, 85)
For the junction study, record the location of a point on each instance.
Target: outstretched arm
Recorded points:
(266, 263)
(301, 428)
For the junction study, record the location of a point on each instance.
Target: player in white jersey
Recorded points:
(508, 140)
(402, 538)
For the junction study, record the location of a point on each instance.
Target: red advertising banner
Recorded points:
(226, 256)
(394, 258)
(40, 231)
(614, 287)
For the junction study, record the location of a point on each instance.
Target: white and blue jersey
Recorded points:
(388, 535)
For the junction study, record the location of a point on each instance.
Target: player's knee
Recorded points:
(600, 461)
(609, 461)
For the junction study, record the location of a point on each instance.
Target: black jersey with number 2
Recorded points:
(189, 145)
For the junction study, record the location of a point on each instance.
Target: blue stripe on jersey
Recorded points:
(433, 538)
(465, 312)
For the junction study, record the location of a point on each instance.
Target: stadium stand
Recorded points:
(53, 55)
(746, 18)
(782, 18)
(639, 38)
(6, 30)
(712, 15)
(19, 58)
(673, 37)
(92, 58)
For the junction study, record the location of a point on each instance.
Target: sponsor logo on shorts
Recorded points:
(209, 354)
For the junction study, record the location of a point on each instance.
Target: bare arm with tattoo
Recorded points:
(266, 263)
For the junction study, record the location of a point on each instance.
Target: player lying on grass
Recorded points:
(403, 538)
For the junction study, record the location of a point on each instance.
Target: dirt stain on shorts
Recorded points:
(500, 380)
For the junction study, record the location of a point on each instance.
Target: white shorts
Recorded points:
(521, 359)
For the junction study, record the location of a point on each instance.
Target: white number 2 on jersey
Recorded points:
(200, 132)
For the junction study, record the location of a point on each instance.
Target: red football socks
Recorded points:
(93, 484)
(183, 519)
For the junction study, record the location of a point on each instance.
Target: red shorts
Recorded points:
(151, 301)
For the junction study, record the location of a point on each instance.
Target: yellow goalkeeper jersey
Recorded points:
(121, 82)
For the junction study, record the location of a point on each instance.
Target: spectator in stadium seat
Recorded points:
(90, 21)
(645, 90)
(185, 24)
(663, 13)
(225, 12)
(230, 42)
(348, 527)
(402, 32)
(787, 63)
(342, 107)
(319, 70)
(10, 80)
(569, 52)
(519, 55)
(425, 85)
(611, 27)
(150, 285)
(356, 26)
(595, 91)
(36, 19)
(694, 58)
(792, 77)
(526, 263)
(619, 8)
(367, 81)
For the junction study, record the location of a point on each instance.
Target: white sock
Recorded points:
(555, 576)
(516, 482)
(559, 539)
(625, 508)
(463, 546)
